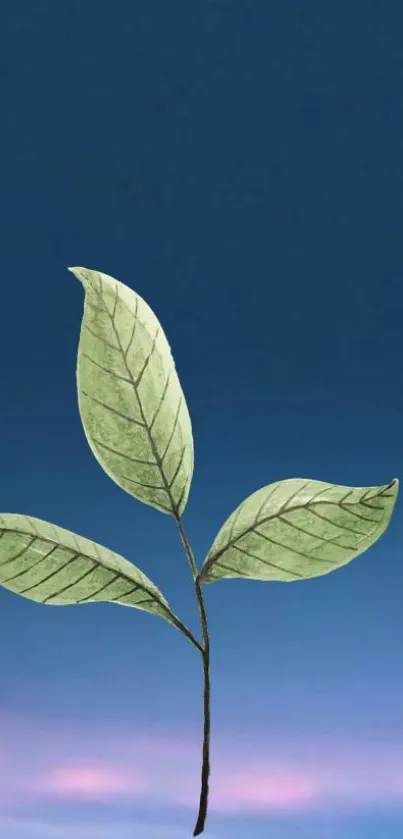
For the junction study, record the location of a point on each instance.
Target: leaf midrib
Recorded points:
(159, 463)
(100, 564)
(214, 557)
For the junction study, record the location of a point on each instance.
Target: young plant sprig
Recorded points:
(138, 427)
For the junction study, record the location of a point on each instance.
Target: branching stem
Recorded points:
(205, 650)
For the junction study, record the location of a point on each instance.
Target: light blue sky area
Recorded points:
(328, 827)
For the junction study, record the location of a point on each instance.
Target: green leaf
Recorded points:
(49, 564)
(130, 399)
(296, 529)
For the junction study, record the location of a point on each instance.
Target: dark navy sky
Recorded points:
(240, 165)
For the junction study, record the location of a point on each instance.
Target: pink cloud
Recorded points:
(41, 762)
(245, 791)
(91, 782)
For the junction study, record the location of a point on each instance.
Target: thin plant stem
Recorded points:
(205, 772)
(181, 626)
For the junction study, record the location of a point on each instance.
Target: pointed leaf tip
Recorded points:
(79, 272)
(130, 400)
(297, 529)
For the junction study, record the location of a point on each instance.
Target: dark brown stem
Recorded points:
(206, 732)
(205, 772)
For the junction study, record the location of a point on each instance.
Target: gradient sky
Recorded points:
(240, 165)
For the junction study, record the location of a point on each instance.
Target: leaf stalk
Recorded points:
(183, 628)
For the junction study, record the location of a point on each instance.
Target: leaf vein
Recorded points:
(71, 585)
(292, 550)
(357, 515)
(112, 409)
(146, 486)
(158, 459)
(341, 526)
(161, 400)
(24, 571)
(98, 591)
(100, 338)
(126, 351)
(106, 369)
(21, 552)
(316, 535)
(288, 502)
(267, 562)
(126, 593)
(123, 454)
(147, 360)
(182, 454)
(174, 426)
(53, 574)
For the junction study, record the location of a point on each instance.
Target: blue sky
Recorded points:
(240, 166)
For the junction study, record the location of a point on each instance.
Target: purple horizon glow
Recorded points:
(42, 764)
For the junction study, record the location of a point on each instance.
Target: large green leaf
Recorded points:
(295, 529)
(130, 399)
(46, 563)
